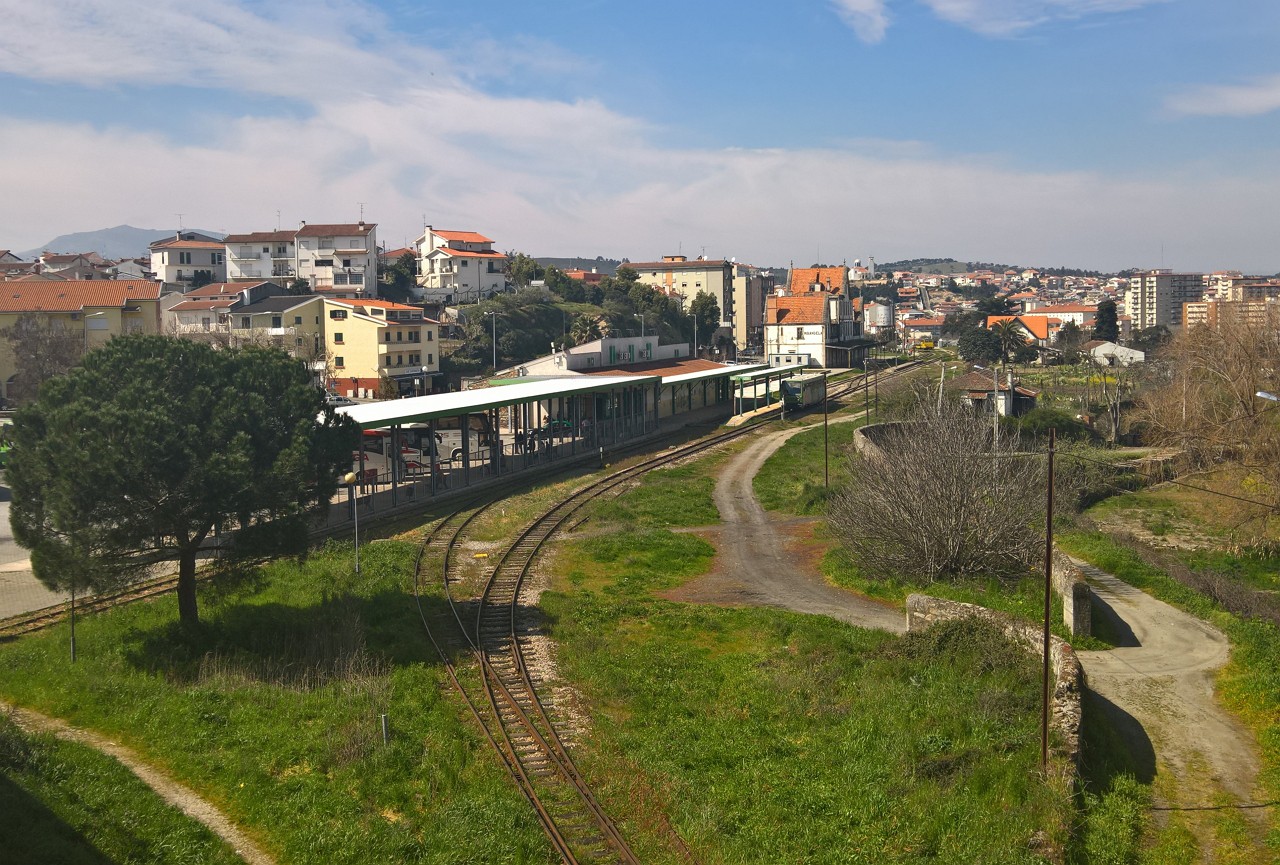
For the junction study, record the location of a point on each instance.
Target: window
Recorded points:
(346, 262)
(465, 262)
(415, 336)
(339, 362)
(431, 334)
(276, 322)
(337, 337)
(337, 314)
(297, 342)
(399, 360)
(297, 319)
(217, 258)
(266, 249)
(799, 333)
(184, 258)
(280, 250)
(324, 262)
(356, 278)
(325, 243)
(399, 336)
(431, 358)
(245, 322)
(339, 279)
(206, 322)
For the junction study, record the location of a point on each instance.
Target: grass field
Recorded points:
(271, 710)
(792, 480)
(66, 803)
(778, 737)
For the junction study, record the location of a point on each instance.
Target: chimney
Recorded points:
(304, 223)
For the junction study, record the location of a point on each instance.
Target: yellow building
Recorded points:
(98, 308)
(369, 340)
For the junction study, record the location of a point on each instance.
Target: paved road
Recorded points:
(754, 566)
(20, 591)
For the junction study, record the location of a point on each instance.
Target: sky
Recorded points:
(1100, 134)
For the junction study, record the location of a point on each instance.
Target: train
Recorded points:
(802, 391)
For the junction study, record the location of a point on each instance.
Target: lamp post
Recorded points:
(641, 316)
(495, 338)
(350, 479)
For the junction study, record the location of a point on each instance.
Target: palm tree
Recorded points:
(1011, 337)
(585, 329)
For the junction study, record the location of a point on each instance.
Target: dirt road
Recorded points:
(754, 566)
(1157, 686)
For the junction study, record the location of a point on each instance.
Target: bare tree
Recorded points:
(933, 500)
(42, 348)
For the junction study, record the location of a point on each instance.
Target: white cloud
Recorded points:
(868, 18)
(547, 177)
(1229, 100)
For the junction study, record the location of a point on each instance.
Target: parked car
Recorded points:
(337, 399)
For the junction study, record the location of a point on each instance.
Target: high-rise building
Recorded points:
(1156, 297)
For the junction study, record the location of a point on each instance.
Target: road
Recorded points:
(1157, 688)
(754, 565)
(20, 591)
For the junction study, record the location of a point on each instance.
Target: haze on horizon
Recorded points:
(1098, 134)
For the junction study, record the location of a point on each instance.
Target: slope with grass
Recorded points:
(270, 709)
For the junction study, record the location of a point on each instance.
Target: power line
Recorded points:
(1105, 464)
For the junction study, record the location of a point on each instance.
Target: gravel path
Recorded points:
(754, 565)
(183, 798)
(1157, 685)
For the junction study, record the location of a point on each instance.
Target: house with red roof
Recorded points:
(459, 266)
(97, 308)
(1038, 330)
(187, 257)
(819, 325)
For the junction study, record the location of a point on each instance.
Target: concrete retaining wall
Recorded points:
(1068, 675)
(1077, 599)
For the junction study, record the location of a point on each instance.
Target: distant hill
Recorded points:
(123, 241)
(607, 266)
(949, 267)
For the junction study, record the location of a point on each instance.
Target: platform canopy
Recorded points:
(732, 372)
(419, 409)
(759, 374)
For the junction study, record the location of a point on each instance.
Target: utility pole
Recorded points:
(1048, 589)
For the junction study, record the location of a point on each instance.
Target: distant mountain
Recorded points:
(123, 241)
(607, 266)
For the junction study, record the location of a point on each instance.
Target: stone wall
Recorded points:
(1068, 676)
(1077, 599)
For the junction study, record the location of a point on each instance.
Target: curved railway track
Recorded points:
(522, 726)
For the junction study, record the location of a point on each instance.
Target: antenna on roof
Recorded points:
(179, 215)
(362, 211)
(277, 220)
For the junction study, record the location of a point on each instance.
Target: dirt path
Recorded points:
(754, 564)
(180, 797)
(1157, 686)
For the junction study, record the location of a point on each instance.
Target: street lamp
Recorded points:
(495, 338)
(641, 316)
(350, 479)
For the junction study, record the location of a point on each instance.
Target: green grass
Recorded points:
(67, 803)
(772, 737)
(270, 709)
(792, 479)
(680, 497)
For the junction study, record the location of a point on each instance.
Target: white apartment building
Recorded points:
(1156, 297)
(261, 255)
(459, 266)
(179, 259)
(338, 260)
(751, 285)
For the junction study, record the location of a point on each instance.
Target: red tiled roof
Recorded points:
(461, 236)
(339, 230)
(261, 237)
(796, 309)
(695, 264)
(466, 253)
(203, 303)
(924, 322)
(657, 367)
(1036, 325)
(397, 254)
(834, 278)
(73, 295)
(187, 244)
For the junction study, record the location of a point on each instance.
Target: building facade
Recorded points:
(188, 257)
(459, 267)
(338, 260)
(261, 255)
(1156, 297)
(679, 277)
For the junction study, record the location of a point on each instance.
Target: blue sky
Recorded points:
(1094, 133)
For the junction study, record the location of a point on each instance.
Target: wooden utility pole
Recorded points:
(1048, 602)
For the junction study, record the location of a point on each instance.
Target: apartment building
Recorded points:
(751, 285)
(98, 308)
(338, 260)
(1156, 297)
(368, 340)
(261, 255)
(1254, 313)
(187, 257)
(676, 275)
(459, 266)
